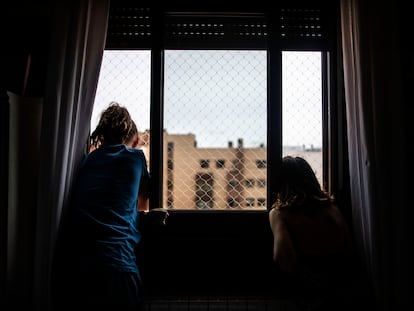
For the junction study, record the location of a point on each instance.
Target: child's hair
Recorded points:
(115, 126)
(299, 186)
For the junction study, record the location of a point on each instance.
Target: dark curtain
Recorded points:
(75, 55)
(375, 79)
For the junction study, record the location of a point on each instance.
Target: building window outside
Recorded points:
(231, 203)
(170, 146)
(233, 183)
(261, 183)
(249, 183)
(220, 163)
(261, 163)
(204, 163)
(170, 164)
(204, 191)
(187, 96)
(249, 202)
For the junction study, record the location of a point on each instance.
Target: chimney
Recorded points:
(240, 141)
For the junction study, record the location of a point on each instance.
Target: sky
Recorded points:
(219, 96)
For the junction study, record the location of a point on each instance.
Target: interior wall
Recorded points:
(24, 30)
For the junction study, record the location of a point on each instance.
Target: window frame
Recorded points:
(200, 244)
(276, 42)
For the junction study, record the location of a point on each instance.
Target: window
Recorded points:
(249, 202)
(204, 163)
(249, 183)
(232, 87)
(261, 163)
(204, 191)
(219, 98)
(220, 163)
(261, 183)
(232, 203)
(233, 183)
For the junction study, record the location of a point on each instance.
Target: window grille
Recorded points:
(204, 163)
(249, 183)
(238, 42)
(220, 163)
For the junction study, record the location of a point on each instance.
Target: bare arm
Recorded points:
(143, 195)
(154, 216)
(284, 253)
(143, 203)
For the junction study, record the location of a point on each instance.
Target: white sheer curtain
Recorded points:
(374, 83)
(77, 44)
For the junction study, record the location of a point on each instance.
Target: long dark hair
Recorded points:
(299, 186)
(115, 126)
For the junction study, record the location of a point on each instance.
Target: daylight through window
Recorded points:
(215, 119)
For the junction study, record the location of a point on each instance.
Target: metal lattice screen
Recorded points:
(215, 110)
(215, 119)
(302, 107)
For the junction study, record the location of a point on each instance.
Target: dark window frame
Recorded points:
(230, 232)
(290, 25)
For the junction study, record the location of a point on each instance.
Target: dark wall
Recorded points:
(25, 29)
(208, 253)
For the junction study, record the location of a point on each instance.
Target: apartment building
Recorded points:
(233, 177)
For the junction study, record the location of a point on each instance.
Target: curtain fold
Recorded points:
(76, 48)
(359, 136)
(25, 115)
(377, 140)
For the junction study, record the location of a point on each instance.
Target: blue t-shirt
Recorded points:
(105, 206)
